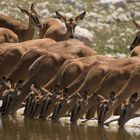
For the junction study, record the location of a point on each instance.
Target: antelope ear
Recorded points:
(34, 8)
(136, 24)
(23, 10)
(61, 16)
(81, 16)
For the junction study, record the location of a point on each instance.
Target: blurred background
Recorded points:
(109, 21)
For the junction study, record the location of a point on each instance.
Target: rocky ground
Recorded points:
(109, 21)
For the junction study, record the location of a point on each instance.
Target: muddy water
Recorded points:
(18, 128)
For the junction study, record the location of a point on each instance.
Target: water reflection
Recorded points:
(18, 128)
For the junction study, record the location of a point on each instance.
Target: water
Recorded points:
(18, 128)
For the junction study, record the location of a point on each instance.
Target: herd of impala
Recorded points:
(57, 75)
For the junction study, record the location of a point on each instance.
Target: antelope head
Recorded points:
(127, 110)
(79, 108)
(46, 107)
(105, 108)
(10, 97)
(71, 23)
(61, 106)
(60, 109)
(33, 15)
(136, 41)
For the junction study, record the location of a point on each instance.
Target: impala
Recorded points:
(53, 28)
(24, 33)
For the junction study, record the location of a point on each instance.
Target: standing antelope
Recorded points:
(135, 46)
(53, 28)
(24, 33)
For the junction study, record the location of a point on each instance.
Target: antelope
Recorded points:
(26, 45)
(44, 102)
(23, 33)
(49, 64)
(129, 109)
(7, 35)
(9, 59)
(53, 28)
(135, 44)
(11, 56)
(130, 87)
(94, 73)
(111, 83)
(72, 69)
(33, 54)
(90, 84)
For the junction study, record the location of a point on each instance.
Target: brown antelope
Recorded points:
(53, 28)
(43, 106)
(90, 84)
(33, 54)
(9, 59)
(130, 87)
(13, 53)
(24, 33)
(44, 67)
(129, 109)
(94, 73)
(135, 44)
(111, 83)
(40, 44)
(72, 69)
(26, 45)
(7, 35)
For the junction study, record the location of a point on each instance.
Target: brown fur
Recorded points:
(24, 33)
(44, 67)
(93, 79)
(7, 35)
(53, 28)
